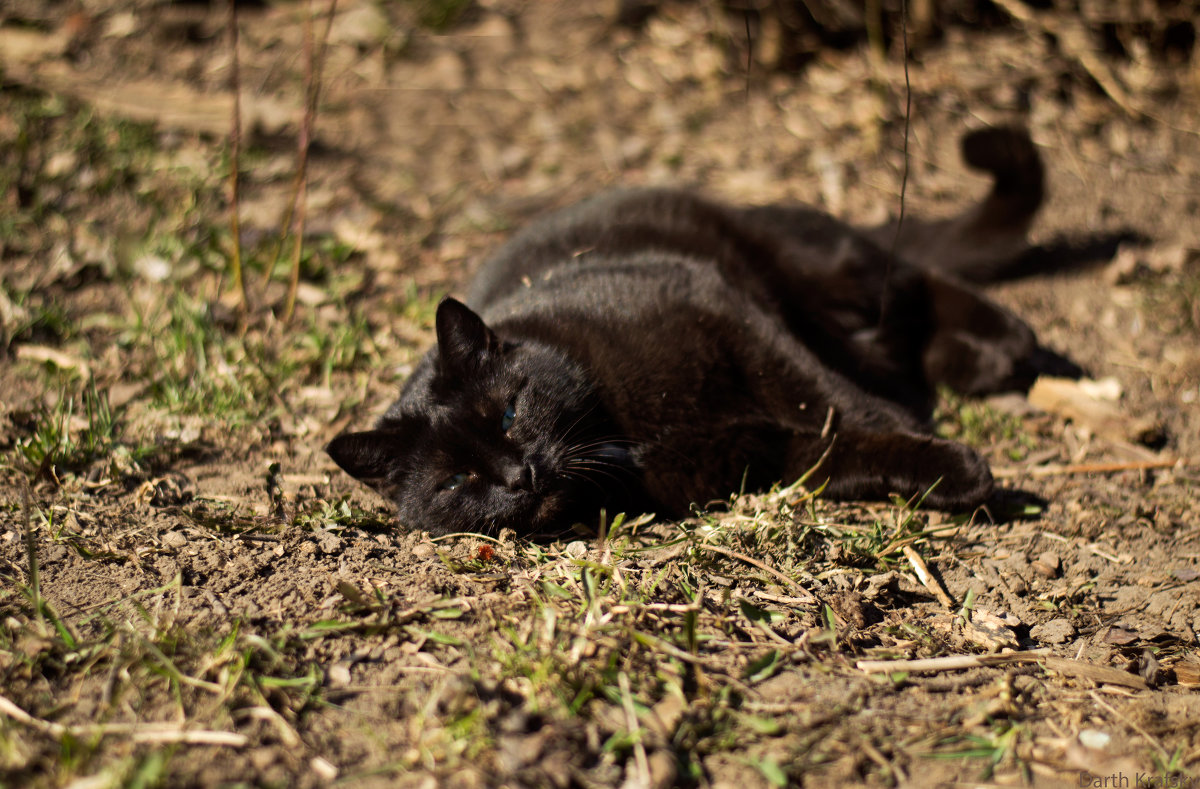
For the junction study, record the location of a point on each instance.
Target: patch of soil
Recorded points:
(208, 582)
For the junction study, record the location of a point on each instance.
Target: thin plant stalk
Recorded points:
(35, 585)
(887, 274)
(313, 66)
(289, 210)
(235, 139)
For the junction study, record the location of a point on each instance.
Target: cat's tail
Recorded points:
(984, 241)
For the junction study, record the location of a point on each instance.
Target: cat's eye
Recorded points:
(455, 481)
(510, 414)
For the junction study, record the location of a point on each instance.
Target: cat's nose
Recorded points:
(521, 476)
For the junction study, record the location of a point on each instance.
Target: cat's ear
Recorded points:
(463, 338)
(366, 456)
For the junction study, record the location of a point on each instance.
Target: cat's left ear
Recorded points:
(367, 456)
(463, 338)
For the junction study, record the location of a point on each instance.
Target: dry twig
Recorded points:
(138, 732)
(1009, 472)
(927, 578)
(1074, 668)
(754, 563)
(235, 143)
(1072, 39)
(632, 726)
(949, 663)
(314, 63)
(1158, 746)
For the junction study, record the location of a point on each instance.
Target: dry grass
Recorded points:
(194, 597)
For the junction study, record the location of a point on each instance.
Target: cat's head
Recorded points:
(488, 433)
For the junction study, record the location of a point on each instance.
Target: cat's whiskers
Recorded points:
(583, 478)
(592, 454)
(586, 462)
(602, 442)
(566, 434)
(598, 466)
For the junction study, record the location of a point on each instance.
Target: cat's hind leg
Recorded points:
(864, 465)
(977, 347)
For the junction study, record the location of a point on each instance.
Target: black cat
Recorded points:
(646, 350)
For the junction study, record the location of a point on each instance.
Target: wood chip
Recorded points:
(1187, 673)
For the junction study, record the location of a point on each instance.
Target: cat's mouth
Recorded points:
(565, 498)
(548, 509)
(531, 513)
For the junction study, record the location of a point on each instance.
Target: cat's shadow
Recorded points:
(1065, 253)
(1010, 505)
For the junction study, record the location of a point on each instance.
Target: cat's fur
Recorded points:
(646, 350)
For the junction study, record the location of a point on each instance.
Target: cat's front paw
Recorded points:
(958, 478)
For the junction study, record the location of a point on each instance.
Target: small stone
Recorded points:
(1047, 564)
(174, 539)
(153, 268)
(323, 768)
(263, 758)
(122, 25)
(1121, 635)
(1016, 584)
(61, 163)
(339, 674)
(576, 549)
(1056, 631)
(364, 26)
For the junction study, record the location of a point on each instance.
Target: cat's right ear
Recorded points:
(463, 338)
(366, 456)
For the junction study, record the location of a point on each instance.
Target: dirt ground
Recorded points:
(195, 595)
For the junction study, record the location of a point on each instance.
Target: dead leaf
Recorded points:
(25, 46)
(169, 104)
(990, 631)
(1087, 404)
(42, 354)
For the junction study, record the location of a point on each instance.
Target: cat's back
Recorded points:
(627, 224)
